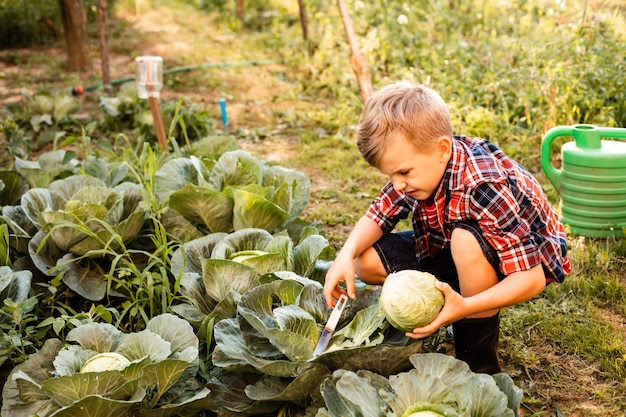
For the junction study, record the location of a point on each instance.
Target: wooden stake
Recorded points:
(158, 124)
(104, 45)
(358, 60)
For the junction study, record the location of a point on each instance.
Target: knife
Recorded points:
(331, 324)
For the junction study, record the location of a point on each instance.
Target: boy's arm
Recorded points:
(514, 289)
(365, 233)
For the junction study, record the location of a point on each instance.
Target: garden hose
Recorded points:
(79, 89)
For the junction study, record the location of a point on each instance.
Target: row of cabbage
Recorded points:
(212, 285)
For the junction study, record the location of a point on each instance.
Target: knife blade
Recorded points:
(330, 326)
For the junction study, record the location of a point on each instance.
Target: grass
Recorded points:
(573, 333)
(508, 79)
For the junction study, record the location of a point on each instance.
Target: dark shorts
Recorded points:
(397, 252)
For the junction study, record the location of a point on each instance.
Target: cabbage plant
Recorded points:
(48, 167)
(12, 186)
(15, 183)
(439, 385)
(218, 268)
(265, 352)
(81, 224)
(239, 191)
(156, 375)
(14, 285)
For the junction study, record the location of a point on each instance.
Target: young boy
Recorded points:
(481, 223)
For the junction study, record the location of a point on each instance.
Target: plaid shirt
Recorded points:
(482, 184)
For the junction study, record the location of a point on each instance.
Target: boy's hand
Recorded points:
(452, 311)
(340, 271)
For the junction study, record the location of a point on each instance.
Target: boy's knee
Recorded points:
(465, 247)
(475, 272)
(369, 268)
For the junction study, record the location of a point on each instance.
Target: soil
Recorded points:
(251, 93)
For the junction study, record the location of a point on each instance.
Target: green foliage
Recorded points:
(36, 22)
(274, 333)
(28, 22)
(486, 66)
(20, 333)
(14, 142)
(126, 114)
(47, 118)
(216, 269)
(237, 192)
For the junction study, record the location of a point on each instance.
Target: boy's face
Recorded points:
(416, 173)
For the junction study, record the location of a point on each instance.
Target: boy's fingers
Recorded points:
(419, 335)
(444, 287)
(332, 295)
(421, 332)
(351, 290)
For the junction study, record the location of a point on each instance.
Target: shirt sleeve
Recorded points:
(498, 213)
(388, 208)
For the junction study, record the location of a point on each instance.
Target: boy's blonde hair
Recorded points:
(412, 110)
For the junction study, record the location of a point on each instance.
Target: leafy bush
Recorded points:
(29, 22)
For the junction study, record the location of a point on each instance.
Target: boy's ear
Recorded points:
(444, 148)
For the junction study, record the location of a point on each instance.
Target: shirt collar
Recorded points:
(453, 177)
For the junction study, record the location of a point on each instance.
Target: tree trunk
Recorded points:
(240, 10)
(75, 30)
(104, 45)
(358, 60)
(303, 21)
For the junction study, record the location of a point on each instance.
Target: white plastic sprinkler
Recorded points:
(149, 76)
(149, 83)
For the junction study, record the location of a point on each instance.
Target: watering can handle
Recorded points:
(553, 174)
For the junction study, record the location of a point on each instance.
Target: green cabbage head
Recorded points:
(107, 361)
(409, 299)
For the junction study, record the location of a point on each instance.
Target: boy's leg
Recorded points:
(369, 267)
(476, 337)
(473, 263)
(393, 252)
(475, 272)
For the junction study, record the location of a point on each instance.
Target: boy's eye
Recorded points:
(403, 173)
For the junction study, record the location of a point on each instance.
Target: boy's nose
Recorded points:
(398, 185)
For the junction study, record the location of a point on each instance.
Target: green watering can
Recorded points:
(591, 180)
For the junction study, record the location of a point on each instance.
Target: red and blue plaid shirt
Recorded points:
(483, 184)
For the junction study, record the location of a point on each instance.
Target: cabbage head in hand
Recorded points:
(409, 299)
